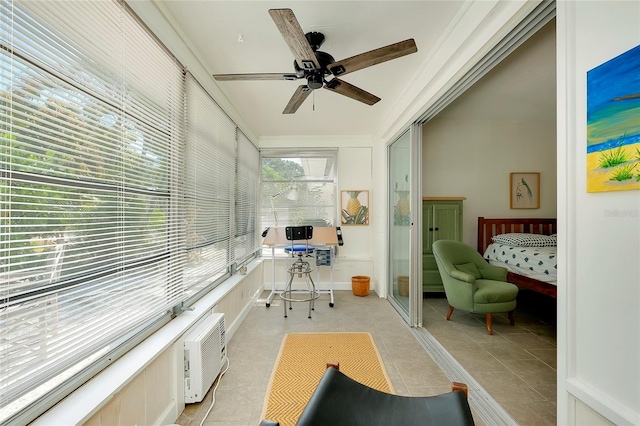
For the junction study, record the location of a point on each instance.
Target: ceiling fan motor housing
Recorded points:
(324, 59)
(315, 77)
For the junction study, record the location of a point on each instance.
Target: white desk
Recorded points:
(276, 237)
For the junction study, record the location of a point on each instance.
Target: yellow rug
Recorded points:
(302, 361)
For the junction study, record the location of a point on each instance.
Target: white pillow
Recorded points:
(526, 240)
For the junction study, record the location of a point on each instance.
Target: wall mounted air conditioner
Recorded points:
(204, 355)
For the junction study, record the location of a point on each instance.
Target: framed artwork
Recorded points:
(613, 124)
(354, 206)
(524, 190)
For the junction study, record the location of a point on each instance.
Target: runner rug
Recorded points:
(302, 361)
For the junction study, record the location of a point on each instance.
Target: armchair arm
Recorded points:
(463, 276)
(492, 272)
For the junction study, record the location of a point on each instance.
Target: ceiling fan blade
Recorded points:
(373, 57)
(293, 35)
(351, 91)
(297, 99)
(257, 76)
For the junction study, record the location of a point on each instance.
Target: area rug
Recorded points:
(302, 361)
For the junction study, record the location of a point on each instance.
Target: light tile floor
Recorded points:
(516, 365)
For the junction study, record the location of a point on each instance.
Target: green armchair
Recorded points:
(472, 284)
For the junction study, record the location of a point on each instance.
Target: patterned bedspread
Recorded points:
(536, 262)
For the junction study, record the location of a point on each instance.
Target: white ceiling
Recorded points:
(211, 29)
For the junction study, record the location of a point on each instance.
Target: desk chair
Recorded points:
(300, 267)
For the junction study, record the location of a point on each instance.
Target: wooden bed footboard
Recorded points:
(488, 228)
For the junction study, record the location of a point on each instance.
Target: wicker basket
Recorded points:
(360, 285)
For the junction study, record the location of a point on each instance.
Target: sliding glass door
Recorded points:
(404, 217)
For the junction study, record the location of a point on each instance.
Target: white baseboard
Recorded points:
(601, 403)
(321, 287)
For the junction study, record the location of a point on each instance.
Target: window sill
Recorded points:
(88, 399)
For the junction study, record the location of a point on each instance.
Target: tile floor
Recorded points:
(516, 365)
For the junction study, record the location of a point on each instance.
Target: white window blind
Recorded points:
(299, 187)
(92, 125)
(209, 191)
(247, 241)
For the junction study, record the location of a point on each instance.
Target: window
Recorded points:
(299, 187)
(88, 180)
(210, 174)
(248, 178)
(112, 211)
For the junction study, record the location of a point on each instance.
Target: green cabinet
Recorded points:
(441, 220)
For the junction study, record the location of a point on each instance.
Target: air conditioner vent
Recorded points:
(204, 355)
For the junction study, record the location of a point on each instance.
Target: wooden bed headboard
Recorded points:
(488, 228)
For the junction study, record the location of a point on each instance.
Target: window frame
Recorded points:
(286, 194)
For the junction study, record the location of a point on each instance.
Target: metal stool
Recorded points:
(300, 268)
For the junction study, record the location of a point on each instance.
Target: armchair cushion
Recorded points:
(490, 291)
(469, 268)
(463, 276)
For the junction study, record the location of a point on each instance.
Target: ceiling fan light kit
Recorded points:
(314, 65)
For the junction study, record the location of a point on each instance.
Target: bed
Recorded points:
(504, 252)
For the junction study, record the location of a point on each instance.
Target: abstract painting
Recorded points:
(613, 124)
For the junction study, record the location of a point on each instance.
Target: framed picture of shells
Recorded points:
(354, 205)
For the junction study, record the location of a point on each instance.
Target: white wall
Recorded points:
(473, 159)
(470, 148)
(598, 285)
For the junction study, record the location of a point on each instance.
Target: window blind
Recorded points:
(209, 188)
(90, 159)
(248, 166)
(299, 187)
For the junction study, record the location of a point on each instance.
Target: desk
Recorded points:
(276, 237)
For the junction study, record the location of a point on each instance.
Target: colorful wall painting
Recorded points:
(355, 207)
(613, 124)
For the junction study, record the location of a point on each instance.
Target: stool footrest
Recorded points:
(313, 295)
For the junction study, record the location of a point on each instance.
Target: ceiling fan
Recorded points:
(314, 65)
